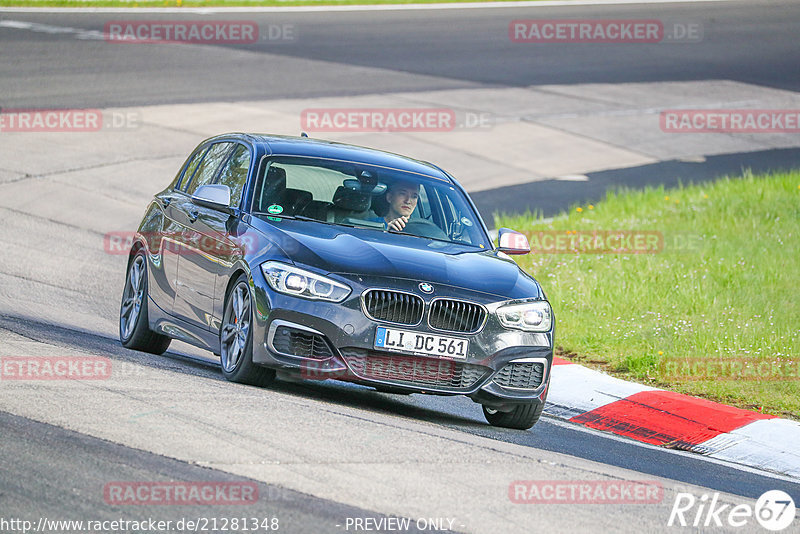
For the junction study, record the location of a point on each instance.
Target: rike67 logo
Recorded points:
(774, 510)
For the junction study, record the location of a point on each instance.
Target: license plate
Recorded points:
(421, 343)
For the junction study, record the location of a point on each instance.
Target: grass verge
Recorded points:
(711, 309)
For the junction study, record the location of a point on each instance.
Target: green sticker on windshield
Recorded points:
(275, 209)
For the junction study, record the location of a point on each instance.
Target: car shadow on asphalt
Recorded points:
(337, 392)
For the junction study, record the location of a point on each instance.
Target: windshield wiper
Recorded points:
(304, 218)
(279, 215)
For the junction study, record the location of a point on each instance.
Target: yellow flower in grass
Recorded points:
(579, 209)
(666, 198)
(661, 353)
(591, 207)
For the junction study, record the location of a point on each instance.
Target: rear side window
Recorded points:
(234, 173)
(190, 168)
(208, 168)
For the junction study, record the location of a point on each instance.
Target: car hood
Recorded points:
(370, 253)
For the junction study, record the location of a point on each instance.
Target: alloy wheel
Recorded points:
(133, 297)
(235, 327)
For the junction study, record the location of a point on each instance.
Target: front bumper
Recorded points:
(320, 340)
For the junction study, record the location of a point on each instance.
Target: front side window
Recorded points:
(207, 169)
(234, 173)
(366, 196)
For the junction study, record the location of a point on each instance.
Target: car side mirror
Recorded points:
(512, 242)
(214, 196)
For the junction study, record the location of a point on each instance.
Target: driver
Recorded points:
(402, 198)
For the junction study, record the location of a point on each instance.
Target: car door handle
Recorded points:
(193, 215)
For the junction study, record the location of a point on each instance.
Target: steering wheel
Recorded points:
(423, 228)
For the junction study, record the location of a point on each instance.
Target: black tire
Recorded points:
(236, 340)
(522, 417)
(134, 327)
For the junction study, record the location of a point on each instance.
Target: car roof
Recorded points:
(307, 146)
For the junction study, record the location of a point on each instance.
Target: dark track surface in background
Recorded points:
(752, 42)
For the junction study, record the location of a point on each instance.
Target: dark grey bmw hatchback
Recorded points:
(316, 260)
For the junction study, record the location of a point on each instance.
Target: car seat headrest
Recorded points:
(350, 199)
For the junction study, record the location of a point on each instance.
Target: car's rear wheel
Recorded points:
(134, 330)
(236, 339)
(522, 417)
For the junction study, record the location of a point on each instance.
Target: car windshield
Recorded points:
(354, 194)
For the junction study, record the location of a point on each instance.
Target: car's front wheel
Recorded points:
(134, 330)
(522, 417)
(236, 339)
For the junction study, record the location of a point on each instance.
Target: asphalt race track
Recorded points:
(415, 50)
(321, 453)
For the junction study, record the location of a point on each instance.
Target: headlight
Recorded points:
(534, 316)
(290, 280)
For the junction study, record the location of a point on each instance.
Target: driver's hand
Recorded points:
(397, 224)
